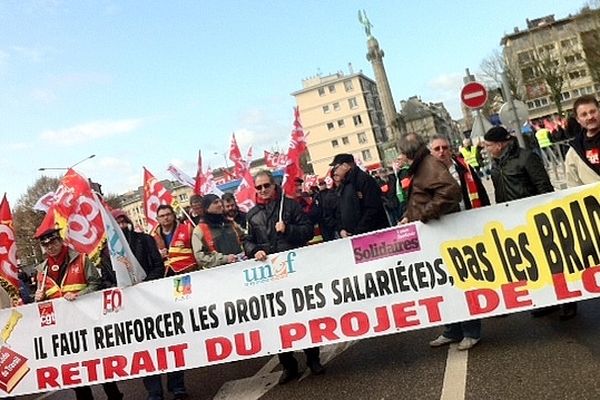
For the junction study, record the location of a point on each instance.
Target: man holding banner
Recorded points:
(276, 224)
(68, 274)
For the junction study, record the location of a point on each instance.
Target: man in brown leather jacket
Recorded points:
(432, 191)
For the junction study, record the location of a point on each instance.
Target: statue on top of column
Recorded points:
(364, 20)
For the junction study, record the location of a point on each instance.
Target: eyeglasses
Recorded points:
(263, 186)
(440, 148)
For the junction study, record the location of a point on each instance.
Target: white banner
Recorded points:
(479, 263)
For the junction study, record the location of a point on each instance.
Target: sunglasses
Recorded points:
(263, 186)
(439, 148)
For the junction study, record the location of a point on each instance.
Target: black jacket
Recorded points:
(261, 220)
(360, 207)
(519, 173)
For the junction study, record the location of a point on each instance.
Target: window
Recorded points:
(529, 73)
(341, 123)
(362, 137)
(321, 91)
(565, 96)
(577, 74)
(325, 109)
(336, 106)
(331, 88)
(330, 126)
(568, 43)
(352, 102)
(348, 86)
(183, 197)
(525, 57)
(573, 58)
(335, 143)
(366, 155)
(345, 140)
(357, 120)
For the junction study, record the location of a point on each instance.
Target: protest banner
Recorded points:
(480, 263)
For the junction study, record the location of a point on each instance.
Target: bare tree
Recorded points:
(492, 68)
(590, 38)
(552, 70)
(27, 219)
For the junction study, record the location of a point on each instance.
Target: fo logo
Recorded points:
(47, 316)
(112, 300)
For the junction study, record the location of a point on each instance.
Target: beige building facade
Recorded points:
(554, 49)
(342, 114)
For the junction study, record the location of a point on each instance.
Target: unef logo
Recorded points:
(113, 300)
(275, 270)
(46, 311)
(182, 287)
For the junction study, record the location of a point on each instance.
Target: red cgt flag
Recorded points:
(76, 212)
(9, 273)
(235, 155)
(200, 178)
(155, 194)
(293, 169)
(275, 160)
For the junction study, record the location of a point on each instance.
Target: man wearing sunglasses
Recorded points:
(474, 195)
(278, 224)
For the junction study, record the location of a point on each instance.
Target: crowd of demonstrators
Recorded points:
(360, 207)
(474, 195)
(583, 157)
(216, 240)
(518, 173)
(277, 224)
(428, 182)
(68, 274)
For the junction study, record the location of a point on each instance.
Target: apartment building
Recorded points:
(342, 114)
(555, 58)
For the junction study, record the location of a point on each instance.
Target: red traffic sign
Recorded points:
(474, 95)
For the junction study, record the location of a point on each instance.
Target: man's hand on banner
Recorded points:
(260, 255)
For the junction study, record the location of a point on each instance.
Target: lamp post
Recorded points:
(66, 168)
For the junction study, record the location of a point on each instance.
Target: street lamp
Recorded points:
(66, 168)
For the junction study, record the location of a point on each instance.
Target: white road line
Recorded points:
(256, 386)
(455, 376)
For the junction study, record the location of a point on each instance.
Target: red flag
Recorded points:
(9, 273)
(155, 194)
(293, 169)
(245, 193)
(200, 178)
(235, 155)
(75, 209)
(275, 160)
(549, 125)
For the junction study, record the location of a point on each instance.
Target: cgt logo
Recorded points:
(182, 287)
(47, 316)
(112, 301)
(276, 269)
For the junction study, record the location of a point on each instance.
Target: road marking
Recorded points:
(455, 376)
(256, 386)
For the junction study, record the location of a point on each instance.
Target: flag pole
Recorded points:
(188, 216)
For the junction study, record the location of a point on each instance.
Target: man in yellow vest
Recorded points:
(544, 139)
(472, 155)
(68, 274)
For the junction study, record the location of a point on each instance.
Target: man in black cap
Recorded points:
(360, 207)
(516, 172)
(68, 274)
(216, 240)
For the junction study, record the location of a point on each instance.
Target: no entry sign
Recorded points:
(474, 95)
